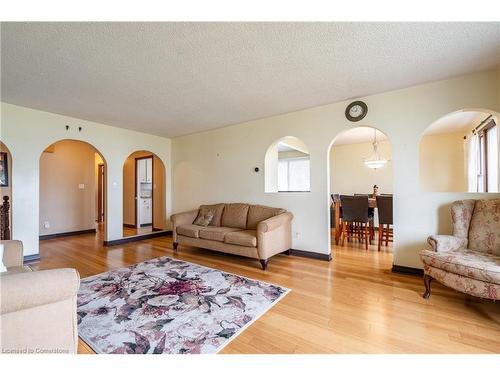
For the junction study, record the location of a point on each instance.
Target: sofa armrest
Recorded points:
(25, 290)
(182, 218)
(274, 235)
(446, 242)
(13, 253)
(274, 222)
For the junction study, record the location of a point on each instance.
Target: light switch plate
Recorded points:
(81, 186)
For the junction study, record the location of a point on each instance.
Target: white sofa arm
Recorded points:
(25, 290)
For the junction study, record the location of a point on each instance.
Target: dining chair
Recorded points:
(355, 219)
(371, 213)
(385, 221)
(335, 199)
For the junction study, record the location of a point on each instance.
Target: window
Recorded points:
(293, 174)
(488, 141)
(483, 159)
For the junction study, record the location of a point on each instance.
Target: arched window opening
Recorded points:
(287, 166)
(459, 153)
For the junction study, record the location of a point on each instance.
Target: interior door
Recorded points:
(100, 193)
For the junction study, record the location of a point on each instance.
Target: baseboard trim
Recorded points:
(145, 225)
(66, 234)
(31, 258)
(310, 254)
(129, 225)
(139, 237)
(407, 270)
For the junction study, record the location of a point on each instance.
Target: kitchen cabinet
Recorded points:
(149, 170)
(145, 170)
(145, 211)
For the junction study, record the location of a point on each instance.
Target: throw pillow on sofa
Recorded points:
(204, 217)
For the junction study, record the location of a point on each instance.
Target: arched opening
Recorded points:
(287, 166)
(144, 202)
(5, 193)
(360, 190)
(72, 190)
(459, 153)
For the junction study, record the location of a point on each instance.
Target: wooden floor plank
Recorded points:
(353, 304)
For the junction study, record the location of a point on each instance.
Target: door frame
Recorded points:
(136, 197)
(101, 193)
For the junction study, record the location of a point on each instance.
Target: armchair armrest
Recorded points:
(274, 222)
(446, 242)
(13, 253)
(30, 289)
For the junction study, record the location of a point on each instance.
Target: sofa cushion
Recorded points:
(484, 231)
(465, 262)
(235, 215)
(189, 230)
(258, 213)
(215, 233)
(205, 216)
(242, 238)
(217, 210)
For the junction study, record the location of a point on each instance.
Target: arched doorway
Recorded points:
(72, 190)
(144, 202)
(360, 170)
(5, 192)
(459, 152)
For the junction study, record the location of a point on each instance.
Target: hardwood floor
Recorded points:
(353, 304)
(128, 231)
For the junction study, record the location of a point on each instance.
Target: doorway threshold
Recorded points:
(137, 237)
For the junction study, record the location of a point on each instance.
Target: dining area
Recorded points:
(361, 199)
(363, 218)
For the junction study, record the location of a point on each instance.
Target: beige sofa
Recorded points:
(253, 231)
(37, 309)
(468, 260)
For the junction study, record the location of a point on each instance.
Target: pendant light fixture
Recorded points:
(374, 161)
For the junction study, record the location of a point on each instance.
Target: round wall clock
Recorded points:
(356, 111)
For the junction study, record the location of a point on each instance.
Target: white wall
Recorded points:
(27, 132)
(217, 166)
(349, 175)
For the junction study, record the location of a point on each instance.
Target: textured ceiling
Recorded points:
(456, 122)
(173, 79)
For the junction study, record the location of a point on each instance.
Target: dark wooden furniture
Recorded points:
(355, 219)
(337, 208)
(4, 219)
(385, 221)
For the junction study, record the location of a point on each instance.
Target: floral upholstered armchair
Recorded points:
(468, 260)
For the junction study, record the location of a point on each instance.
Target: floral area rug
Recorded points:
(166, 305)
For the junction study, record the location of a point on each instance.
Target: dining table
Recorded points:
(372, 203)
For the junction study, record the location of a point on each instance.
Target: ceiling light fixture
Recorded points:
(374, 161)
